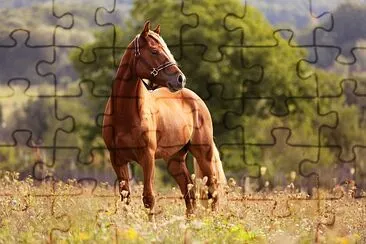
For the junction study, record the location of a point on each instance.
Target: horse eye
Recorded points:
(154, 51)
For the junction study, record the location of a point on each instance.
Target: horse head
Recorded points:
(155, 62)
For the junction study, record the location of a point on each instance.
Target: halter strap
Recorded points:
(155, 71)
(136, 45)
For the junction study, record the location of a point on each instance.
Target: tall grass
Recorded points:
(69, 212)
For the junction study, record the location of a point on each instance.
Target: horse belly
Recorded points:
(173, 134)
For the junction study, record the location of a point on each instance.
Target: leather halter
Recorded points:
(155, 71)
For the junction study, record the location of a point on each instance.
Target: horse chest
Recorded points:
(137, 133)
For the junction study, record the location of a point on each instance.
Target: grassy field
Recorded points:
(78, 213)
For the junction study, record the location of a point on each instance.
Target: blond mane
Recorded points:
(161, 41)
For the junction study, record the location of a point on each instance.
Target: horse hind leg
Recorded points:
(123, 176)
(178, 169)
(204, 155)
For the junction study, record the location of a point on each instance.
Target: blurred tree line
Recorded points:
(245, 88)
(347, 31)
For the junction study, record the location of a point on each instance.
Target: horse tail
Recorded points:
(221, 178)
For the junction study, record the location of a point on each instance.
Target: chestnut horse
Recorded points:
(141, 125)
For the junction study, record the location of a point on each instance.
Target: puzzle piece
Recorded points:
(76, 15)
(104, 218)
(328, 170)
(87, 63)
(347, 99)
(346, 17)
(237, 153)
(326, 219)
(67, 106)
(22, 55)
(298, 83)
(210, 48)
(300, 113)
(35, 21)
(218, 99)
(302, 12)
(63, 221)
(287, 163)
(31, 120)
(347, 69)
(281, 209)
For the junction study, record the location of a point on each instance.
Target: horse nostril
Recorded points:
(181, 79)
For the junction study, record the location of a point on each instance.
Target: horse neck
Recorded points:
(128, 91)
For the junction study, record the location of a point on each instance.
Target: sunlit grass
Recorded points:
(68, 212)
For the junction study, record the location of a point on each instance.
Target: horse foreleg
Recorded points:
(123, 176)
(178, 169)
(148, 167)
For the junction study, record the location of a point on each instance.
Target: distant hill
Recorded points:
(36, 16)
(294, 12)
(278, 11)
(28, 3)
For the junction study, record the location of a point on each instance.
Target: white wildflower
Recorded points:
(193, 177)
(204, 180)
(190, 186)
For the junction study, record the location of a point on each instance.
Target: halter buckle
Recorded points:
(154, 72)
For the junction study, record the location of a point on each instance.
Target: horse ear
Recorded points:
(157, 29)
(146, 29)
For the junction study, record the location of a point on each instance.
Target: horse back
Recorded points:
(181, 115)
(182, 102)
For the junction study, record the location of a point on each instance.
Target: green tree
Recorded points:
(34, 117)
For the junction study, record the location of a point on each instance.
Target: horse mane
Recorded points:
(161, 41)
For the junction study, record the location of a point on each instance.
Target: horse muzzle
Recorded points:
(177, 84)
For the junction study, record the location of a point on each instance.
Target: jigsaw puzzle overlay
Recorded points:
(284, 81)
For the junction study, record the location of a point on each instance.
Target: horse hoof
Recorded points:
(148, 201)
(125, 197)
(128, 200)
(190, 214)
